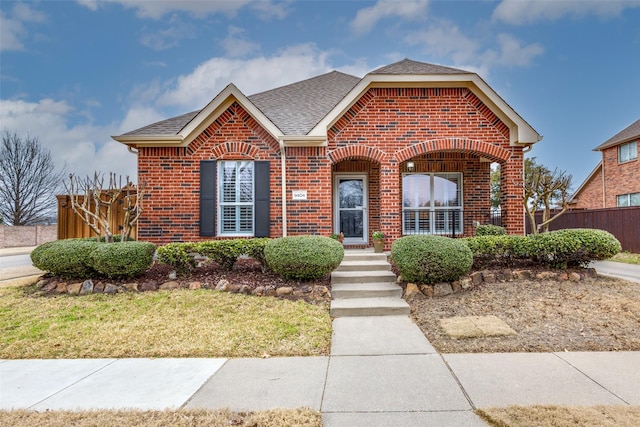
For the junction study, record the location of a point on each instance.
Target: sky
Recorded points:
(74, 73)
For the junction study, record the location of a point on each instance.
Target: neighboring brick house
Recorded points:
(406, 149)
(615, 181)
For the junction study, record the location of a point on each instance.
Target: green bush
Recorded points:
(178, 255)
(431, 259)
(572, 247)
(122, 260)
(255, 249)
(68, 258)
(490, 230)
(303, 257)
(497, 249)
(224, 252)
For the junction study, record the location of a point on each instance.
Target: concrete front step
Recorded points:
(383, 276)
(365, 290)
(369, 307)
(352, 255)
(364, 265)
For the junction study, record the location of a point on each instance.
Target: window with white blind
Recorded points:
(631, 199)
(432, 203)
(628, 152)
(236, 198)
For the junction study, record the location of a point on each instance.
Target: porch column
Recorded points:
(390, 202)
(511, 178)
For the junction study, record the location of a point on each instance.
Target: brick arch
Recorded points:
(230, 149)
(356, 152)
(459, 145)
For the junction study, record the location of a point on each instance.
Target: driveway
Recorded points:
(629, 272)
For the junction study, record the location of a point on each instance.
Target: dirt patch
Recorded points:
(595, 314)
(475, 327)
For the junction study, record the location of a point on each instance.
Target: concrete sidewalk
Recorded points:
(382, 371)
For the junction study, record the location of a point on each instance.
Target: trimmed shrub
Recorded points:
(490, 230)
(431, 259)
(572, 247)
(497, 249)
(68, 258)
(303, 257)
(224, 252)
(178, 255)
(122, 260)
(255, 249)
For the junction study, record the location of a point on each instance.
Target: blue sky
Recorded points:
(73, 73)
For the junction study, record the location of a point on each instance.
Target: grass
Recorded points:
(181, 323)
(626, 257)
(182, 418)
(561, 416)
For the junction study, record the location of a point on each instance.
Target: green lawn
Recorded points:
(181, 323)
(627, 258)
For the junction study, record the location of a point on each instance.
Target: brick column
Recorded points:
(390, 201)
(511, 176)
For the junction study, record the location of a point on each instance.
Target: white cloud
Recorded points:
(368, 17)
(84, 148)
(528, 11)
(195, 90)
(168, 37)
(445, 40)
(268, 10)
(236, 44)
(13, 29)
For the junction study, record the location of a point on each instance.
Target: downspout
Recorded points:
(283, 167)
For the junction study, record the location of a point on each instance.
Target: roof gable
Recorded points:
(629, 133)
(407, 66)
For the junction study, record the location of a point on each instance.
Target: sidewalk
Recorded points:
(382, 371)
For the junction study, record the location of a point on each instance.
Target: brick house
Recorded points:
(407, 149)
(615, 181)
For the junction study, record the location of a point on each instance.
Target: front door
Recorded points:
(351, 218)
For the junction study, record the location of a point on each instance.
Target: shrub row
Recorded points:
(182, 256)
(82, 258)
(490, 230)
(296, 257)
(557, 249)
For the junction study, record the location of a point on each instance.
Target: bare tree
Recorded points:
(544, 190)
(95, 204)
(28, 180)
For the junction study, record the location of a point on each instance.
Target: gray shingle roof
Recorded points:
(296, 108)
(627, 134)
(407, 66)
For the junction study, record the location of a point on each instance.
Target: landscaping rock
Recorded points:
(476, 278)
(427, 290)
(110, 288)
(42, 283)
(87, 287)
(234, 289)
(466, 283)
(545, 275)
(173, 275)
(456, 286)
(74, 288)
(244, 289)
(589, 272)
(270, 291)
(98, 288)
(167, 286)
(131, 287)
(488, 277)
(506, 275)
(61, 288)
(223, 285)
(285, 290)
(442, 289)
(399, 280)
(574, 277)
(522, 274)
(150, 285)
(258, 291)
(195, 285)
(411, 290)
(48, 287)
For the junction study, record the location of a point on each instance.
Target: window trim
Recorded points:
(433, 209)
(628, 197)
(222, 203)
(628, 145)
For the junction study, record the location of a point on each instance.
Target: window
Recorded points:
(632, 199)
(627, 152)
(432, 203)
(236, 196)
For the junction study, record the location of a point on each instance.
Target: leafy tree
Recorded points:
(495, 186)
(544, 190)
(28, 180)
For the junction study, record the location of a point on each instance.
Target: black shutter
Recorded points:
(262, 203)
(208, 198)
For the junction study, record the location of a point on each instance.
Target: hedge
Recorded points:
(303, 257)
(122, 260)
(68, 258)
(490, 230)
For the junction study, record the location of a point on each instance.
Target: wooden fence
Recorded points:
(624, 223)
(70, 225)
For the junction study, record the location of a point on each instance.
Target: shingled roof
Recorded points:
(627, 134)
(296, 108)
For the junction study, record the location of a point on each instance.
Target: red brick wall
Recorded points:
(620, 178)
(171, 206)
(590, 197)
(440, 129)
